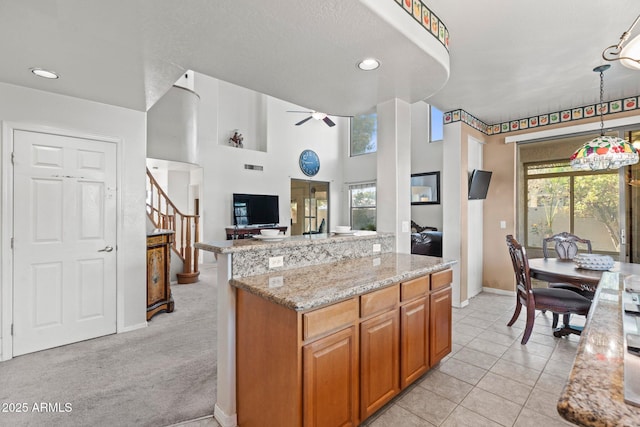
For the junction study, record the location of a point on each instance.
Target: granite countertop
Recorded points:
(309, 287)
(243, 245)
(594, 393)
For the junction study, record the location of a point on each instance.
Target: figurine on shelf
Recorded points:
(236, 139)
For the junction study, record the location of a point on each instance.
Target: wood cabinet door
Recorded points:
(414, 340)
(379, 361)
(440, 325)
(330, 380)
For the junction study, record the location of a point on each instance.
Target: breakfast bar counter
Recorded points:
(304, 274)
(311, 287)
(594, 393)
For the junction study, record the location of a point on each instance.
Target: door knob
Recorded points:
(106, 249)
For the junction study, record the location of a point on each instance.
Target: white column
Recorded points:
(225, 410)
(394, 171)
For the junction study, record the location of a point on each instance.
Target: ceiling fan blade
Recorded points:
(303, 121)
(298, 111)
(328, 121)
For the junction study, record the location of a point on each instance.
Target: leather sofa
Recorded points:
(427, 242)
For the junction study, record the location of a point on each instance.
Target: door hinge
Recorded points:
(12, 329)
(12, 243)
(13, 156)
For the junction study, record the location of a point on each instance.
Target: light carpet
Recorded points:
(156, 376)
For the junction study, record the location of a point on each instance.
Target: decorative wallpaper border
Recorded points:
(564, 116)
(427, 19)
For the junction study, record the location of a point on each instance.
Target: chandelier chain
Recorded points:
(600, 106)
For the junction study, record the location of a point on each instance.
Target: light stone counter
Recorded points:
(310, 287)
(316, 270)
(594, 393)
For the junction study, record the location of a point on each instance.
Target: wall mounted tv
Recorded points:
(479, 184)
(255, 209)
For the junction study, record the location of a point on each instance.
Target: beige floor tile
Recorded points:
(535, 348)
(545, 339)
(460, 338)
(543, 402)
(476, 322)
(550, 383)
(476, 358)
(498, 338)
(561, 368)
(462, 371)
(466, 329)
(488, 347)
(529, 418)
(491, 406)
(506, 388)
(446, 386)
(427, 405)
(516, 372)
(525, 359)
(397, 416)
(463, 417)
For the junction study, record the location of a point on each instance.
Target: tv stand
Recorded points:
(247, 231)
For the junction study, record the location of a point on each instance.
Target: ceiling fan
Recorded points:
(314, 115)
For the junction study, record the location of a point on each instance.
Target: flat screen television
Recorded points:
(255, 209)
(479, 184)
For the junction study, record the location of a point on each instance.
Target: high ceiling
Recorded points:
(508, 59)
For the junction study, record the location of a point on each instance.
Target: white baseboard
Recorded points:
(132, 327)
(462, 304)
(498, 291)
(224, 419)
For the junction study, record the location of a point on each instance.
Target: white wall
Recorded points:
(224, 166)
(425, 157)
(27, 106)
(474, 225)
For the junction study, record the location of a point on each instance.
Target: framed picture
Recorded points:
(425, 188)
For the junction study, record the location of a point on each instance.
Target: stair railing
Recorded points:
(164, 214)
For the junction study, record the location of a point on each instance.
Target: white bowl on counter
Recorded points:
(342, 228)
(269, 232)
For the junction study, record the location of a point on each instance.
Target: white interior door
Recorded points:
(64, 279)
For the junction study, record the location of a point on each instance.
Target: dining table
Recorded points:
(602, 386)
(566, 271)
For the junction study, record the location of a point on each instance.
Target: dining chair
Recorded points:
(566, 247)
(556, 300)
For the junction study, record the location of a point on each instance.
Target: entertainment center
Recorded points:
(252, 213)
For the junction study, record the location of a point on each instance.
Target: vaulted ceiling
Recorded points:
(507, 59)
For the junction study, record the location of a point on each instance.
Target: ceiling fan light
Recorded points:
(47, 74)
(318, 116)
(369, 64)
(630, 54)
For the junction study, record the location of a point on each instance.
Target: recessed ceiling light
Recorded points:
(44, 73)
(369, 64)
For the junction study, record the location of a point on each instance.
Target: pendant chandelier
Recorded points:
(603, 152)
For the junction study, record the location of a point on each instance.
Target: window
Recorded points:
(364, 134)
(584, 203)
(362, 203)
(436, 124)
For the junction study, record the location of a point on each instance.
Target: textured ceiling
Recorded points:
(508, 59)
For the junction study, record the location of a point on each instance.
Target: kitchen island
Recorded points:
(321, 278)
(594, 394)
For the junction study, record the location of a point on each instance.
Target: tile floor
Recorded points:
(489, 379)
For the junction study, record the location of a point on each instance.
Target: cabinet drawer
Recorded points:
(326, 319)
(378, 301)
(441, 279)
(156, 240)
(414, 288)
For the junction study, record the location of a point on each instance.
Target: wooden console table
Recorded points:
(159, 297)
(245, 232)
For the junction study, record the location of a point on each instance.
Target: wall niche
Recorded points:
(243, 112)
